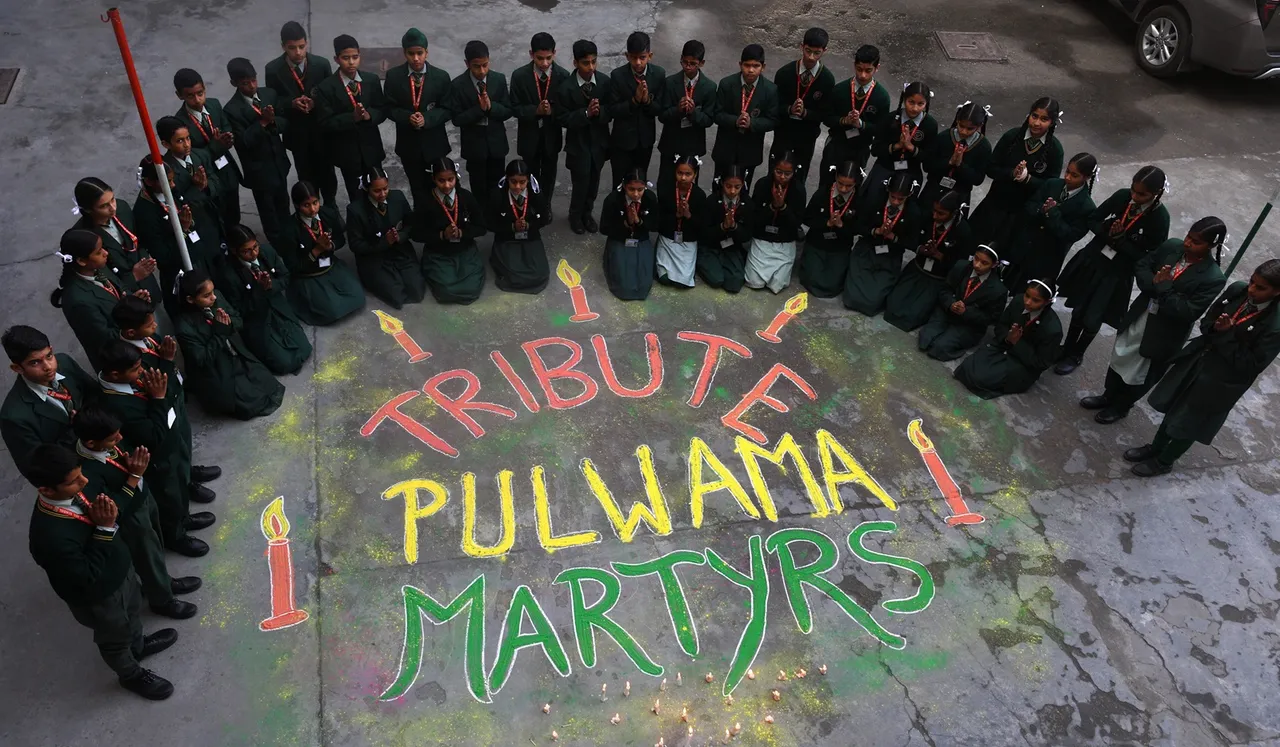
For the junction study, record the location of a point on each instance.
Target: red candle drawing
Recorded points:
(395, 328)
(573, 281)
(960, 513)
(275, 527)
(793, 306)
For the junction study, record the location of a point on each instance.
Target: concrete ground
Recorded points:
(1089, 608)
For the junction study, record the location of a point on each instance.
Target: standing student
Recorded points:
(254, 281)
(1025, 344)
(777, 208)
(223, 375)
(211, 132)
(804, 92)
(972, 300)
(682, 213)
(635, 96)
(1057, 216)
(833, 226)
(539, 136)
(628, 219)
(253, 115)
(202, 233)
(884, 230)
(419, 101)
(746, 108)
(856, 111)
(1239, 338)
(323, 289)
(481, 100)
(939, 245)
(86, 292)
(725, 237)
(688, 103)
(195, 179)
(1098, 280)
(351, 107)
(295, 76)
(378, 229)
(49, 389)
(113, 222)
(518, 211)
(586, 138)
(73, 537)
(1176, 284)
(958, 160)
(903, 140)
(452, 221)
(1020, 162)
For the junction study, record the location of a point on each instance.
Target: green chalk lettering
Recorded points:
(525, 604)
(753, 634)
(588, 618)
(907, 605)
(418, 603)
(672, 590)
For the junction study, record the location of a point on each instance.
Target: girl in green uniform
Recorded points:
(322, 288)
(958, 160)
(518, 211)
(939, 244)
(777, 204)
(833, 225)
(902, 141)
(883, 232)
(201, 229)
(1056, 217)
(726, 237)
(254, 281)
(971, 302)
(1098, 280)
(452, 221)
(378, 225)
(221, 371)
(1020, 162)
(1176, 284)
(1025, 344)
(86, 292)
(1239, 338)
(628, 219)
(682, 210)
(112, 221)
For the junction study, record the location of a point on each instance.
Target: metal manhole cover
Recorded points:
(8, 76)
(970, 45)
(380, 59)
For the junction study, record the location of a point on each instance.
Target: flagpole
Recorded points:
(1257, 224)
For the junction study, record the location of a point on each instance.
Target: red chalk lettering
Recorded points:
(710, 361)
(654, 351)
(458, 406)
(515, 381)
(566, 370)
(760, 393)
(391, 411)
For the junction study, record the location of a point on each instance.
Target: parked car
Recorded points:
(1240, 37)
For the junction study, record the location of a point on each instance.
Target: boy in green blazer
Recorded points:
(259, 123)
(49, 389)
(351, 107)
(195, 180)
(635, 100)
(294, 76)
(579, 106)
(856, 109)
(480, 100)
(419, 99)
(746, 108)
(804, 91)
(211, 132)
(539, 136)
(688, 103)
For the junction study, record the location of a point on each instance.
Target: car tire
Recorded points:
(1163, 41)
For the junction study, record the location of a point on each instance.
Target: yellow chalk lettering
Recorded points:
(655, 515)
(542, 509)
(508, 537)
(751, 454)
(829, 449)
(408, 489)
(699, 453)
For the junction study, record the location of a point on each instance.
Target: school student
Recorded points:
(884, 230)
(804, 92)
(452, 220)
(725, 237)
(47, 392)
(195, 179)
(833, 226)
(634, 101)
(939, 245)
(221, 372)
(295, 76)
(777, 210)
(322, 289)
(972, 300)
(958, 160)
(202, 234)
(73, 536)
(254, 281)
(1239, 338)
(1057, 216)
(539, 135)
(856, 111)
(351, 106)
(86, 291)
(1021, 161)
(480, 95)
(1098, 280)
(378, 229)
(419, 98)
(682, 212)
(746, 108)
(113, 222)
(211, 132)
(259, 121)
(586, 137)
(518, 211)
(1026, 341)
(628, 219)
(1176, 285)
(688, 102)
(903, 140)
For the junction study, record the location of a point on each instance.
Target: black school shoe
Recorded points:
(1140, 453)
(185, 584)
(200, 473)
(175, 609)
(1151, 468)
(1097, 402)
(575, 225)
(1109, 416)
(157, 642)
(191, 547)
(201, 494)
(1068, 364)
(590, 224)
(149, 685)
(200, 520)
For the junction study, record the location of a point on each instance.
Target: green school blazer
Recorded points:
(145, 422)
(586, 139)
(816, 99)
(482, 133)
(534, 133)
(229, 176)
(352, 145)
(435, 103)
(26, 421)
(1178, 303)
(84, 564)
(87, 308)
(634, 125)
(843, 102)
(261, 149)
(677, 137)
(981, 309)
(304, 127)
(743, 148)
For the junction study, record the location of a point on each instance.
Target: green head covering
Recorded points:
(413, 38)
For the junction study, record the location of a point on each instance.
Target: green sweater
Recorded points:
(84, 564)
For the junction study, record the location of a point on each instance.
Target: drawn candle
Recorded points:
(395, 328)
(796, 304)
(960, 513)
(573, 281)
(275, 527)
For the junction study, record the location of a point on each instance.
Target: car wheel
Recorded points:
(1163, 41)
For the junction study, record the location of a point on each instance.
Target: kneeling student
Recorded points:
(777, 205)
(518, 211)
(939, 244)
(1027, 339)
(726, 236)
(323, 289)
(254, 280)
(378, 226)
(971, 302)
(628, 219)
(833, 224)
(883, 234)
(452, 221)
(682, 209)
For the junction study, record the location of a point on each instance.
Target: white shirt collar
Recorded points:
(100, 456)
(308, 221)
(691, 81)
(981, 278)
(113, 386)
(1029, 136)
(348, 81)
(247, 99)
(423, 71)
(139, 344)
(477, 81)
(640, 74)
(256, 263)
(301, 67)
(198, 114)
(916, 120)
(581, 82)
(969, 141)
(817, 66)
(91, 279)
(1073, 192)
(158, 197)
(743, 78)
(451, 194)
(523, 194)
(863, 89)
(68, 504)
(42, 391)
(1258, 306)
(1035, 315)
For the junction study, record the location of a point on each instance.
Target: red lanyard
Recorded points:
(352, 96)
(831, 205)
(516, 211)
(681, 203)
(1030, 323)
(1127, 226)
(537, 84)
(133, 238)
(110, 288)
(885, 221)
(117, 465)
(415, 90)
(937, 240)
(302, 87)
(453, 217)
(813, 78)
(970, 287)
(853, 97)
(639, 78)
(746, 100)
(319, 227)
(59, 395)
(212, 127)
(912, 134)
(688, 88)
(731, 211)
(61, 511)
(1236, 318)
(1178, 272)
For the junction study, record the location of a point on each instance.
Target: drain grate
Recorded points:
(8, 76)
(380, 59)
(970, 46)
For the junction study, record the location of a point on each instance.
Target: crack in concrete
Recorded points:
(918, 719)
